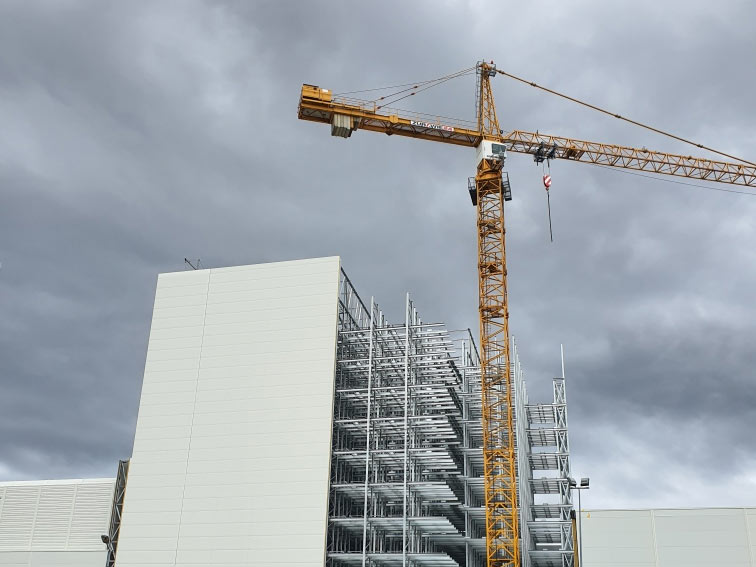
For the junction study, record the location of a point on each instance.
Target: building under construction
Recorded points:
(276, 401)
(407, 464)
(284, 421)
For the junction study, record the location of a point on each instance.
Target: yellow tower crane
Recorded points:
(491, 189)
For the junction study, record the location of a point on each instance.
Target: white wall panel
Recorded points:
(670, 538)
(54, 523)
(232, 448)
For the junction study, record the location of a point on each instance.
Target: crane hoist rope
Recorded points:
(489, 190)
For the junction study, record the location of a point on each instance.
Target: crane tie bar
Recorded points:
(636, 123)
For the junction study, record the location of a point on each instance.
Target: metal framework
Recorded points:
(407, 483)
(544, 471)
(396, 497)
(115, 513)
(498, 439)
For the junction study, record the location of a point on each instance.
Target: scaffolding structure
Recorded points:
(407, 463)
(543, 476)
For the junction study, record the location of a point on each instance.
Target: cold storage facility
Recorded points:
(277, 402)
(231, 455)
(286, 420)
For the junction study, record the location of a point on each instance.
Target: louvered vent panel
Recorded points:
(17, 520)
(91, 516)
(56, 503)
(54, 516)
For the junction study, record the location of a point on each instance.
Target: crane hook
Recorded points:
(546, 185)
(547, 181)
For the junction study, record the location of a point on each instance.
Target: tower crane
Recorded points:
(489, 191)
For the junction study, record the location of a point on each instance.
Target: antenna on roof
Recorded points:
(194, 264)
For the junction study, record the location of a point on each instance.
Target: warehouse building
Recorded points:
(284, 420)
(725, 537)
(277, 402)
(55, 523)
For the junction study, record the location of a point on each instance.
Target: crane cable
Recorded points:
(430, 84)
(615, 115)
(547, 185)
(416, 83)
(411, 86)
(675, 181)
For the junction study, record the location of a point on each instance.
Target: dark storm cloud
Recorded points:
(135, 134)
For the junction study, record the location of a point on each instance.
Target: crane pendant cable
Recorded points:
(615, 115)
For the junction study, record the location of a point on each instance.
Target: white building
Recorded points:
(721, 537)
(233, 439)
(54, 523)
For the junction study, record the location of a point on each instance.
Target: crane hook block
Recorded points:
(547, 181)
(542, 153)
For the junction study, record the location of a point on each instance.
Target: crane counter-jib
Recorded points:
(347, 115)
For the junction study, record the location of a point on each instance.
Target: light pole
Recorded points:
(584, 485)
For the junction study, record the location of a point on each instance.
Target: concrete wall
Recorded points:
(670, 538)
(54, 523)
(232, 449)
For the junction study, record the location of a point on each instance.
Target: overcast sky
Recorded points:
(134, 134)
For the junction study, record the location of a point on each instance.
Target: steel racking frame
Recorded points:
(407, 485)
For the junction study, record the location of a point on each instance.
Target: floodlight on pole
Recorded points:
(585, 484)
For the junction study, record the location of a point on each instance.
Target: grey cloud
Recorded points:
(135, 134)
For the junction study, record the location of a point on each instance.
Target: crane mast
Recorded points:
(490, 191)
(499, 459)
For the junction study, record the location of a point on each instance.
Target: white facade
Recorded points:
(54, 523)
(722, 537)
(232, 449)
